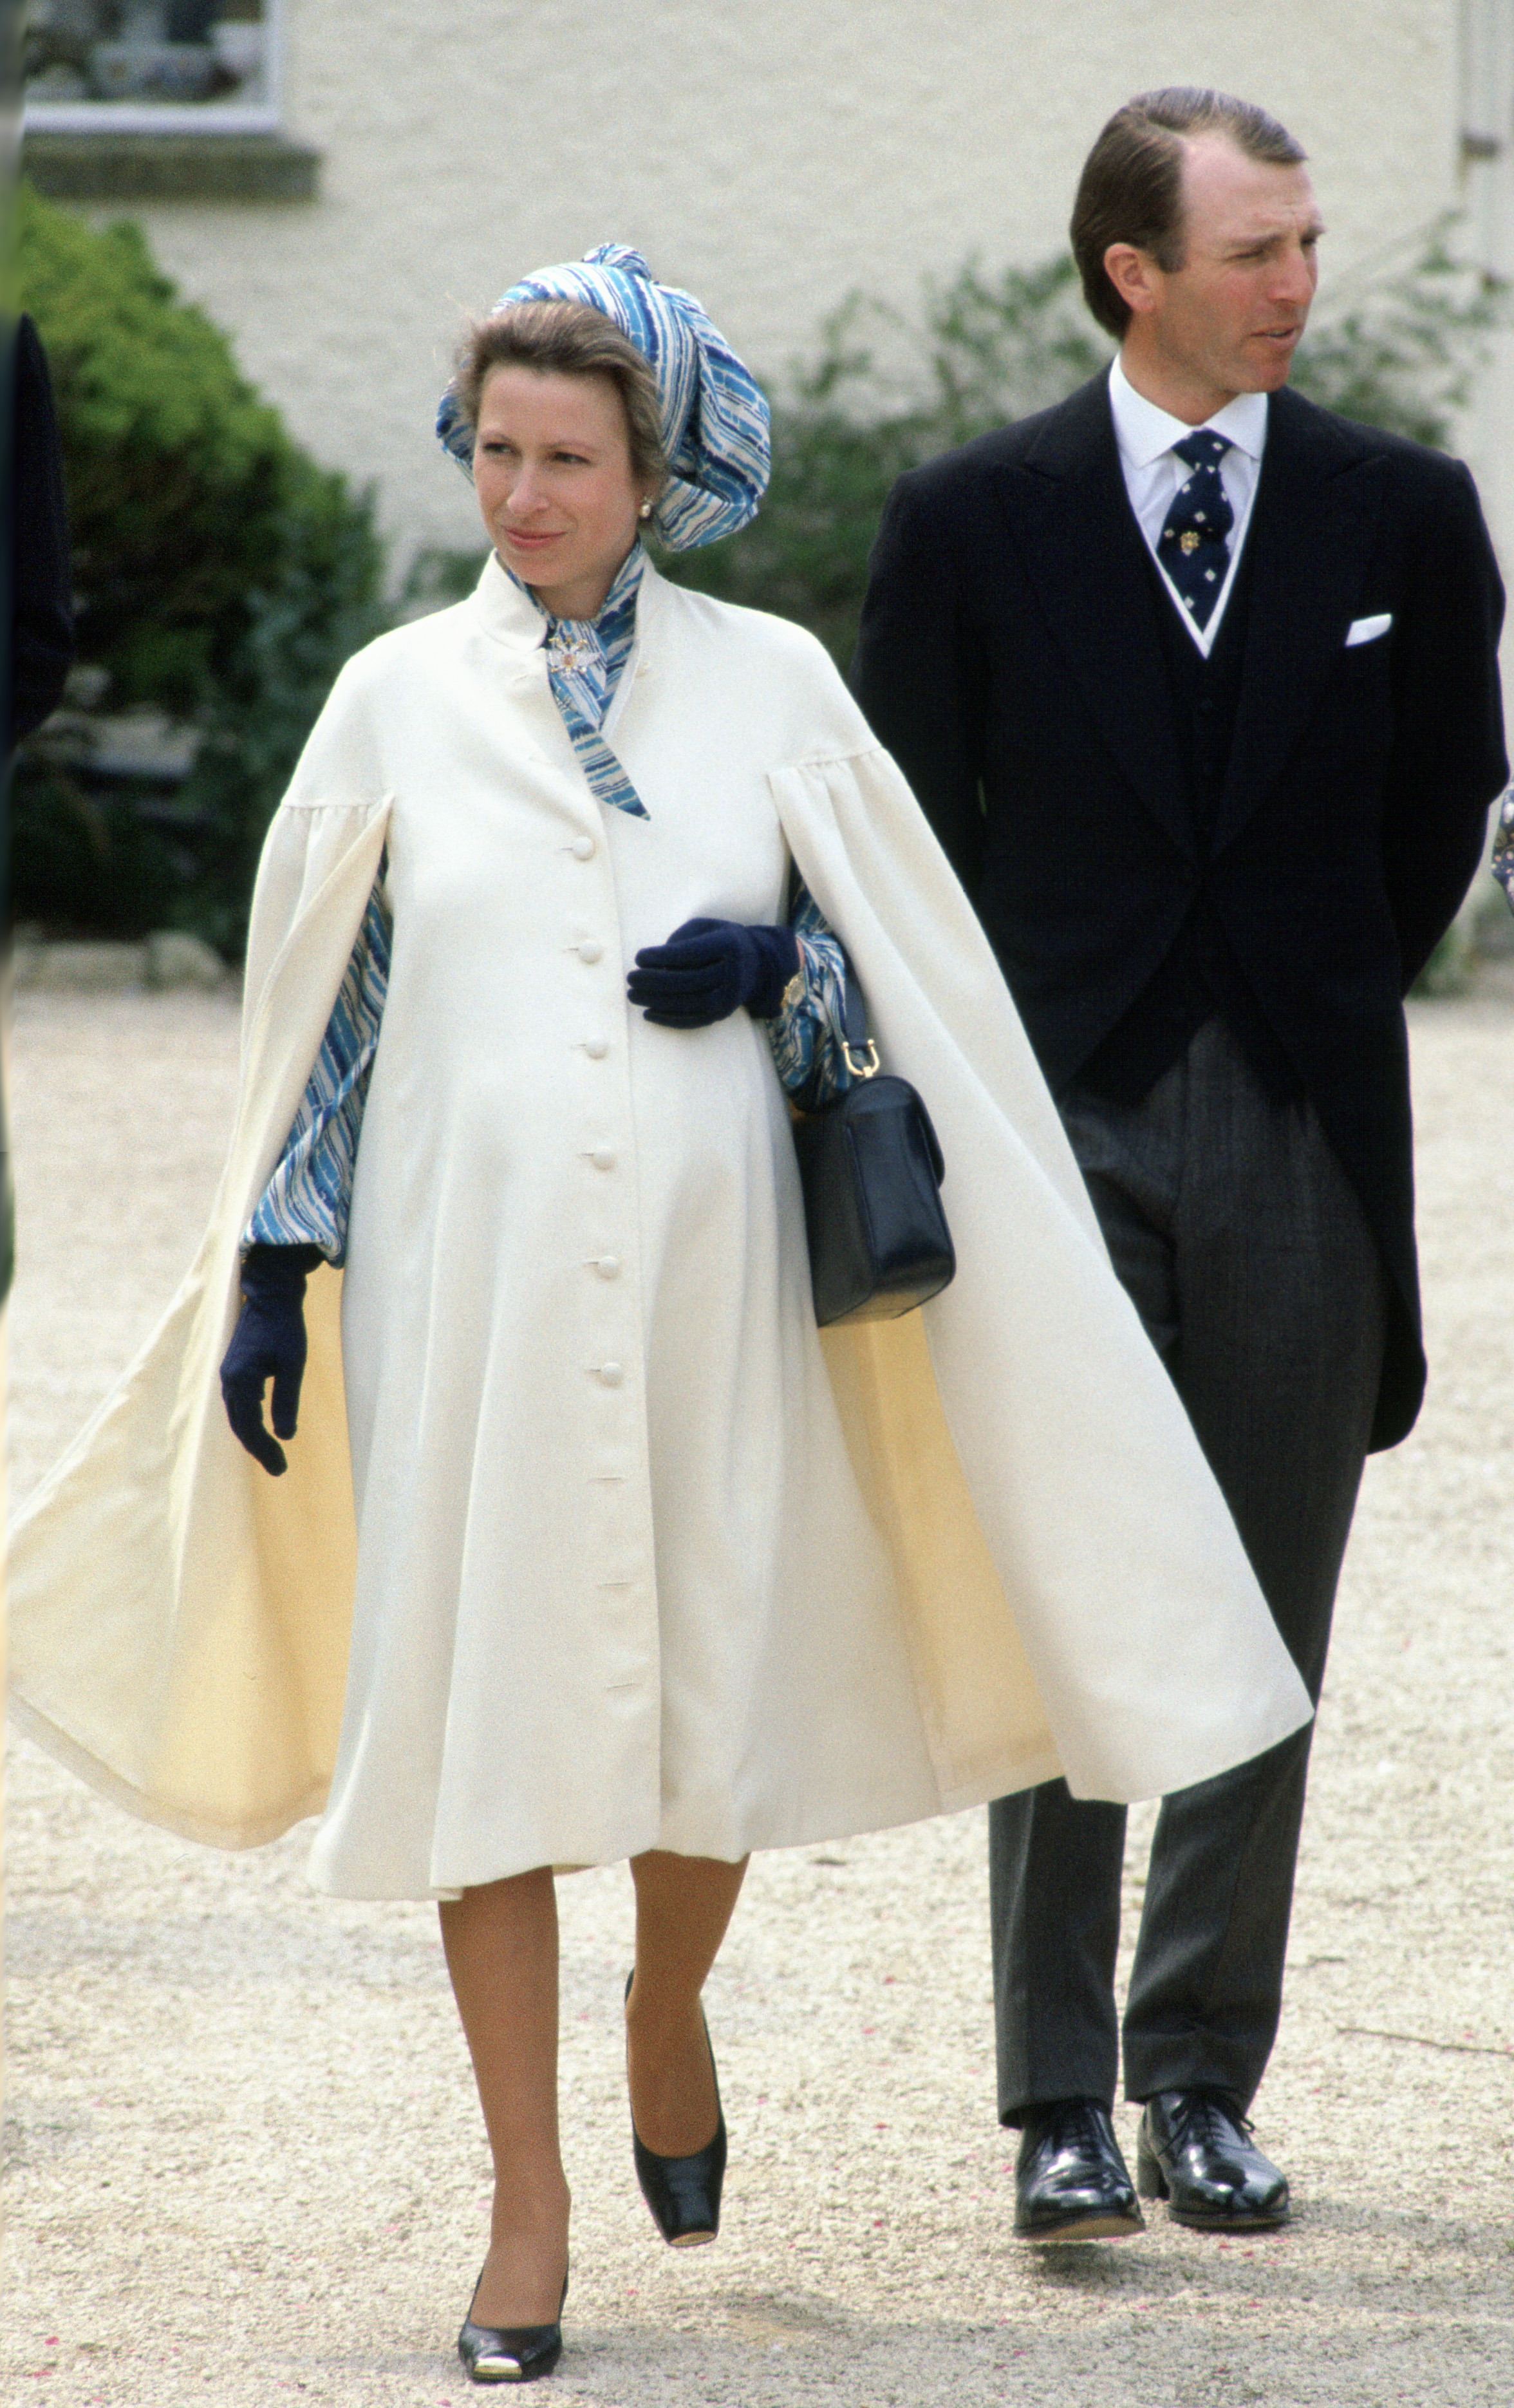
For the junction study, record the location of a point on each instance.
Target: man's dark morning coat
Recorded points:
(1012, 659)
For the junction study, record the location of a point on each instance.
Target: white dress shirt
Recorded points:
(1154, 473)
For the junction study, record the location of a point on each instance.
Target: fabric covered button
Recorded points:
(611, 1374)
(596, 1047)
(602, 1157)
(583, 848)
(608, 1266)
(591, 950)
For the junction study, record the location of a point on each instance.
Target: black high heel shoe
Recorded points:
(510, 2353)
(683, 2193)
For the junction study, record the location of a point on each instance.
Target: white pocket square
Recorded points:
(1366, 631)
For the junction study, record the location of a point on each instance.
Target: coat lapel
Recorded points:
(1070, 516)
(1312, 526)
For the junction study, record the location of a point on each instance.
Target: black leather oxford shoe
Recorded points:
(1071, 2183)
(1194, 2152)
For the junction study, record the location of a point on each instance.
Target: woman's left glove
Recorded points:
(708, 967)
(268, 1343)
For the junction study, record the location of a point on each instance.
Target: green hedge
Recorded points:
(221, 578)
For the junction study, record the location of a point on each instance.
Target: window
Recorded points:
(200, 67)
(160, 100)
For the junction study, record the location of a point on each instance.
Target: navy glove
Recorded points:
(708, 967)
(268, 1343)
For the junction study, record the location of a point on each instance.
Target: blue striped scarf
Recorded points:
(584, 661)
(714, 417)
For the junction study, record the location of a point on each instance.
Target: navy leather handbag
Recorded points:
(871, 1169)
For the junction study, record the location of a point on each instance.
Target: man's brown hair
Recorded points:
(1131, 189)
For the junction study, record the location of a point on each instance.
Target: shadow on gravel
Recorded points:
(1399, 2259)
(1090, 2272)
(779, 2317)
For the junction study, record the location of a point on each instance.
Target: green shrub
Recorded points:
(221, 578)
(1397, 341)
(845, 431)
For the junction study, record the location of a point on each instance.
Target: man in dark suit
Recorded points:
(1198, 687)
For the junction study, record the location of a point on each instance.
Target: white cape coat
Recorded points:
(986, 1547)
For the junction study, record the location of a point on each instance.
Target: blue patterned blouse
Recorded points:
(305, 1201)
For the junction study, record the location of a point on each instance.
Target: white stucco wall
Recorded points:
(769, 158)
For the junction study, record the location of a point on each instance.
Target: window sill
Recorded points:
(107, 166)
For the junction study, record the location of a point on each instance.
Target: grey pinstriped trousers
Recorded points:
(1248, 1256)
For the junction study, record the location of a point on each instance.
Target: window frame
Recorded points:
(203, 120)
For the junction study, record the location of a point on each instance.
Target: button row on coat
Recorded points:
(590, 950)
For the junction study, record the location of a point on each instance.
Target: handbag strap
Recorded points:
(858, 1049)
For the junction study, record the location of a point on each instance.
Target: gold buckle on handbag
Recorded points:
(868, 1068)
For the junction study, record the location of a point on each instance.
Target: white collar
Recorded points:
(1143, 431)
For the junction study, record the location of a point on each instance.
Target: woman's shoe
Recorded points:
(683, 2193)
(510, 2353)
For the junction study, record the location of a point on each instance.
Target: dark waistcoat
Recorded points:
(1199, 975)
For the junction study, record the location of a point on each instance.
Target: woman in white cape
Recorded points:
(589, 1545)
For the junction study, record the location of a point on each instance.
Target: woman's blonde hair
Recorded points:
(566, 339)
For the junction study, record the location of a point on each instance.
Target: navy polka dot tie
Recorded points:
(1193, 546)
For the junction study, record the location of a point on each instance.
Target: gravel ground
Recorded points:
(243, 2153)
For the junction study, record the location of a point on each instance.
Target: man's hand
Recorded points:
(709, 968)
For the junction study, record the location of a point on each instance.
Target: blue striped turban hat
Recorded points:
(714, 419)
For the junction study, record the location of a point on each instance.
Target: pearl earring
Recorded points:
(645, 511)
